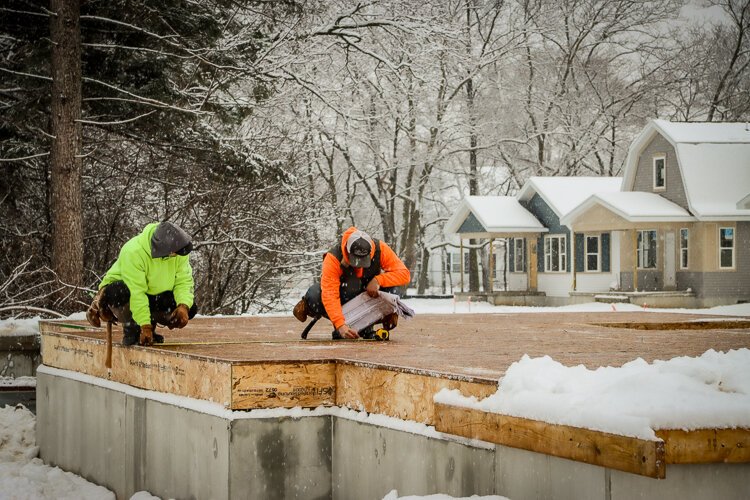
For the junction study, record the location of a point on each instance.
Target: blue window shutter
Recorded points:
(540, 254)
(511, 250)
(605, 252)
(579, 253)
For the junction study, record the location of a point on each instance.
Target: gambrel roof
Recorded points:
(714, 162)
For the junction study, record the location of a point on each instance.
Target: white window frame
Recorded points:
(663, 159)
(586, 253)
(729, 248)
(642, 248)
(685, 249)
(519, 253)
(562, 256)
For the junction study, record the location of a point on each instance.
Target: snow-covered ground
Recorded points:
(709, 390)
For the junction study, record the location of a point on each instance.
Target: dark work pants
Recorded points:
(117, 298)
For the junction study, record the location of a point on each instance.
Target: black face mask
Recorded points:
(185, 250)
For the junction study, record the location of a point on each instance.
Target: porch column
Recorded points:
(491, 265)
(635, 260)
(531, 251)
(461, 258)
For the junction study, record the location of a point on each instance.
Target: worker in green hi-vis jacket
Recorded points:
(150, 282)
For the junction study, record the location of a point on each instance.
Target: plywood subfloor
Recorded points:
(473, 346)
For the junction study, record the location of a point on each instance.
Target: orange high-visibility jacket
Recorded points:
(393, 273)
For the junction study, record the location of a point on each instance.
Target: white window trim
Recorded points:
(598, 253)
(686, 248)
(562, 257)
(662, 157)
(656, 249)
(733, 247)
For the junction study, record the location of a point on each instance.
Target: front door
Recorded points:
(670, 282)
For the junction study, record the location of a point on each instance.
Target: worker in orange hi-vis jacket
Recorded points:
(357, 264)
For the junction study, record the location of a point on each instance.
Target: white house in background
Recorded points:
(538, 247)
(489, 219)
(675, 230)
(683, 214)
(550, 199)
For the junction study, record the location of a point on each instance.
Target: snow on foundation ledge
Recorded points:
(711, 391)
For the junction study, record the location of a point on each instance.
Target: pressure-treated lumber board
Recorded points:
(646, 458)
(148, 369)
(702, 446)
(398, 393)
(283, 385)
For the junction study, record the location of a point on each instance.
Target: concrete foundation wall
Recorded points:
(280, 458)
(370, 461)
(19, 355)
(129, 443)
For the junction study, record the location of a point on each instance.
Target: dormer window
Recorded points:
(660, 173)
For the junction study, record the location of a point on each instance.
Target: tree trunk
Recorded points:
(65, 156)
(473, 183)
(424, 272)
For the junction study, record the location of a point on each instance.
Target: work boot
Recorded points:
(158, 339)
(130, 338)
(390, 321)
(300, 311)
(367, 333)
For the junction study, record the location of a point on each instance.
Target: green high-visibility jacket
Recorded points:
(144, 274)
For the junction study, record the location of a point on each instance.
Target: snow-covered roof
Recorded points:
(744, 202)
(714, 162)
(702, 133)
(496, 214)
(633, 206)
(563, 194)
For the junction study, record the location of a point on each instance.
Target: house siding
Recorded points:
(648, 280)
(544, 213)
(644, 175)
(471, 225)
(731, 283)
(549, 219)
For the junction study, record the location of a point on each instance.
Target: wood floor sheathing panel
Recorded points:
(261, 362)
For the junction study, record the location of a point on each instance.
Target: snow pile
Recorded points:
(710, 391)
(17, 435)
(22, 476)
